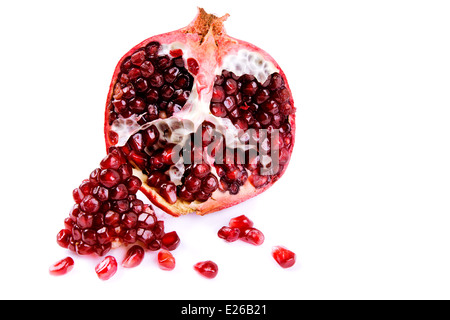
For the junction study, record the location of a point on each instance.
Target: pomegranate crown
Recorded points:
(205, 23)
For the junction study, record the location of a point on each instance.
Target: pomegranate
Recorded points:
(107, 213)
(206, 120)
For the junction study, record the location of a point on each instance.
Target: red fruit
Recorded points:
(134, 257)
(284, 257)
(242, 223)
(108, 212)
(166, 261)
(170, 241)
(208, 269)
(61, 267)
(253, 236)
(240, 92)
(228, 234)
(107, 268)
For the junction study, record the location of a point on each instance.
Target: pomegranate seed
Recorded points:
(258, 181)
(210, 183)
(249, 88)
(241, 222)
(156, 178)
(176, 52)
(168, 191)
(112, 218)
(63, 238)
(89, 236)
(103, 236)
(134, 257)
(253, 236)
(109, 178)
(138, 57)
(193, 66)
(201, 170)
(170, 241)
(107, 268)
(61, 267)
(111, 161)
(90, 204)
(166, 261)
(185, 195)
(77, 195)
(192, 183)
(284, 257)
(152, 49)
(228, 234)
(218, 109)
(133, 184)
(208, 269)
(85, 220)
(218, 94)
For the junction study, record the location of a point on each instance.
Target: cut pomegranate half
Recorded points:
(206, 120)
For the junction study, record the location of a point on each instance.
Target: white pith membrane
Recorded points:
(178, 128)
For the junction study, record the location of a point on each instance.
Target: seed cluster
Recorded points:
(152, 85)
(106, 210)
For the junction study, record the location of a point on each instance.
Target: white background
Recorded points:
(364, 203)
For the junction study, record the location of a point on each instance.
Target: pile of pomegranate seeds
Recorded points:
(241, 228)
(208, 269)
(107, 211)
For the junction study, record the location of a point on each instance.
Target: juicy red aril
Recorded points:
(210, 183)
(63, 238)
(208, 269)
(168, 191)
(241, 222)
(253, 236)
(166, 261)
(133, 184)
(77, 195)
(170, 241)
(193, 66)
(109, 178)
(201, 170)
(107, 268)
(133, 257)
(284, 257)
(90, 204)
(218, 94)
(228, 234)
(192, 183)
(61, 267)
(156, 178)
